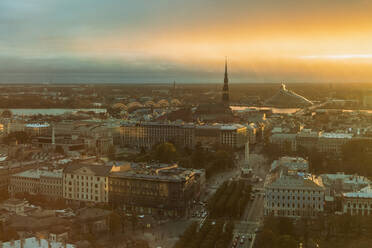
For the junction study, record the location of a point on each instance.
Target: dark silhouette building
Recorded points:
(217, 112)
(225, 89)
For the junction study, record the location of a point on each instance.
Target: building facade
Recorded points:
(158, 189)
(86, 183)
(184, 135)
(152, 133)
(37, 181)
(293, 195)
(358, 203)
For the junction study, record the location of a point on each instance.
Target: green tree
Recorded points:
(287, 241)
(165, 152)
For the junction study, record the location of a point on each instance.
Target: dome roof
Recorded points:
(163, 103)
(149, 104)
(120, 106)
(134, 105)
(176, 102)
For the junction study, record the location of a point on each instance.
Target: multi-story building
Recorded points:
(86, 183)
(233, 135)
(332, 143)
(342, 183)
(358, 203)
(150, 134)
(184, 135)
(284, 141)
(67, 143)
(293, 195)
(156, 189)
(307, 139)
(37, 181)
(323, 142)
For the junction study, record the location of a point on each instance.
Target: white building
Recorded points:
(37, 181)
(293, 194)
(34, 242)
(86, 183)
(233, 135)
(358, 203)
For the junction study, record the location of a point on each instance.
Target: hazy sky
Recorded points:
(187, 41)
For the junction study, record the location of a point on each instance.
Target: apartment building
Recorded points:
(37, 181)
(358, 203)
(293, 194)
(152, 133)
(156, 189)
(183, 135)
(86, 183)
(324, 142)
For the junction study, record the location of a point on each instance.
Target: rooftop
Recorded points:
(166, 172)
(37, 125)
(97, 169)
(37, 173)
(293, 180)
(292, 163)
(35, 243)
(337, 135)
(363, 193)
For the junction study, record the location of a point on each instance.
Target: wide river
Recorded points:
(274, 110)
(60, 111)
(52, 111)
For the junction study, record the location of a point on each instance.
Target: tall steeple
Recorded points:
(225, 89)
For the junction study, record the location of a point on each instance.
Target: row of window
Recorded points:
(359, 205)
(293, 197)
(293, 205)
(87, 197)
(83, 177)
(293, 191)
(82, 190)
(291, 212)
(82, 184)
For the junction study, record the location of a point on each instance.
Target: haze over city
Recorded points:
(185, 124)
(161, 41)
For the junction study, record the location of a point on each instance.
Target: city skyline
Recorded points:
(266, 41)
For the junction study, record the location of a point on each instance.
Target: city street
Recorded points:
(253, 214)
(167, 234)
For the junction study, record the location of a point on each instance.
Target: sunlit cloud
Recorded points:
(265, 40)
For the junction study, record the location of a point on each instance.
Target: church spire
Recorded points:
(225, 89)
